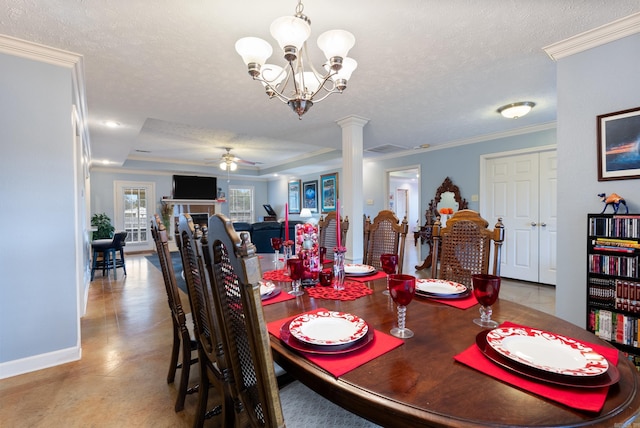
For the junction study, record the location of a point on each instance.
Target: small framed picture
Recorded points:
(329, 191)
(310, 195)
(294, 197)
(619, 145)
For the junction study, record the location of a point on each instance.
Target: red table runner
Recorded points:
(340, 364)
(589, 399)
(352, 291)
(276, 275)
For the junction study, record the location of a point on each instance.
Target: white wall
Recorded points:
(601, 80)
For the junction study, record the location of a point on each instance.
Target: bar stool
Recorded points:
(105, 254)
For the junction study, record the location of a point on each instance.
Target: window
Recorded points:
(241, 204)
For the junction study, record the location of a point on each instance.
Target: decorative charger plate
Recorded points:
(611, 377)
(441, 288)
(547, 351)
(328, 328)
(357, 269)
(268, 290)
(295, 344)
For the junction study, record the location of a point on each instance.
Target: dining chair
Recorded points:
(236, 273)
(212, 360)
(183, 334)
(327, 236)
(384, 235)
(463, 247)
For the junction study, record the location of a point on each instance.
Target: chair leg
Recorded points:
(184, 374)
(203, 396)
(124, 268)
(94, 265)
(112, 254)
(175, 351)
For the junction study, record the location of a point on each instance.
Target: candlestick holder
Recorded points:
(287, 252)
(338, 268)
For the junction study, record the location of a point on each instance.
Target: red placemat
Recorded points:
(465, 303)
(589, 399)
(276, 275)
(340, 364)
(371, 277)
(279, 298)
(352, 291)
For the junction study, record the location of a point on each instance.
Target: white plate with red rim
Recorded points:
(440, 286)
(357, 269)
(328, 328)
(547, 351)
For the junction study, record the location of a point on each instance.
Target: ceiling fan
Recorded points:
(229, 162)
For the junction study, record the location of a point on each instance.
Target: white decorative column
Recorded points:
(350, 184)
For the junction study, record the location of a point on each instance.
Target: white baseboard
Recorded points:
(39, 362)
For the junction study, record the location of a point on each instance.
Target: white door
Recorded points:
(548, 219)
(135, 204)
(521, 188)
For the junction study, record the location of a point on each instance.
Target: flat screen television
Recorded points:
(194, 187)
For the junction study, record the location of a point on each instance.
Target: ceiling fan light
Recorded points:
(223, 165)
(290, 31)
(336, 43)
(516, 110)
(233, 166)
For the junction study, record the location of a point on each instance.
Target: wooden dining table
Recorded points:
(420, 384)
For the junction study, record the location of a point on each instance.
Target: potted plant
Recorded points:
(103, 223)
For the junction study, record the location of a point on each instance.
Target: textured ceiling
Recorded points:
(429, 71)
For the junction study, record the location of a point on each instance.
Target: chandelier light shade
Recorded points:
(292, 84)
(516, 110)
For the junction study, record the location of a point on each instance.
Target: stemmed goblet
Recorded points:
(296, 268)
(276, 244)
(486, 289)
(389, 263)
(402, 288)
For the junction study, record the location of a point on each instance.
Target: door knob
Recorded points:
(543, 224)
(533, 223)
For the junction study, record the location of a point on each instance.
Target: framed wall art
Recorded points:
(294, 197)
(329, 191)
(310, 195)
(619, 145)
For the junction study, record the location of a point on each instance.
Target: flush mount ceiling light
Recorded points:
(292, 84)
(516, 110)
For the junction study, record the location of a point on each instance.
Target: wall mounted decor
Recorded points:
(310, 195)
(619, 145)
(329, 191)
(294, 197)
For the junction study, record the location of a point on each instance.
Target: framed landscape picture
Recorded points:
(329, 191)
(619, 145)
(310, 195)
(294, 197)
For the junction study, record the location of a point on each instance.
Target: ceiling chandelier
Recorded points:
(292, 84)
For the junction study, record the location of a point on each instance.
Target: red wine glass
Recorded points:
(276, 244)
(486, 289)
(402, 288)
(389, 263)
(296, 267)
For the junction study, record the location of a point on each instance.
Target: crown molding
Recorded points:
(598, 36)
(37, 52)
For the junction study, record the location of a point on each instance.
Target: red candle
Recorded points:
(286, 221)
(338, 222)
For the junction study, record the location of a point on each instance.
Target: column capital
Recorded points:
(352, 120)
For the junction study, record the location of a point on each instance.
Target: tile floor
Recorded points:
(126, 338)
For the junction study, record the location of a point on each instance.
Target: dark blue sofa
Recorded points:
(262, 232)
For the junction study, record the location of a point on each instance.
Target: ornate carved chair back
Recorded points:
(236, 271)
(463, 247)
(183, 334)
(328, 232)
(386, 234)
(213, 361)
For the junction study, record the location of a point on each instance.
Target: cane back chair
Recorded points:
(327, 232)
(385, 235)
(183, 334)
(213, 361)
(463, 247)
(235, 270)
